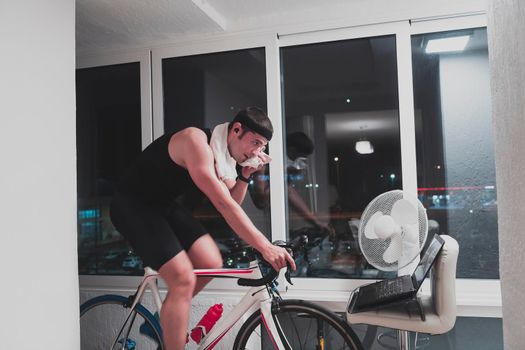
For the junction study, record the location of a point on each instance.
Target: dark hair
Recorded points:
(256, 120)
(300, 142)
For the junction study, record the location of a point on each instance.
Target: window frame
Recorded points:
(103, 282)
(143, 58)
(475, 297)
(268, 41)
(406, 115)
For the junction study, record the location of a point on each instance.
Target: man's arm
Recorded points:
(297, 202)
(237, 189)
(196, 156)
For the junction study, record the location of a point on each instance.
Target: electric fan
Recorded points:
(393, 230)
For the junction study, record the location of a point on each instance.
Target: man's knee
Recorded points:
(178, 274)
(187, 279)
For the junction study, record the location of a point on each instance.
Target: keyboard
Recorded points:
(389, 288)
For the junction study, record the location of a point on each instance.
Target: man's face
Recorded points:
(246, 144)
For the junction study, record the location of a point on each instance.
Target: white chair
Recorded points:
(439, 308)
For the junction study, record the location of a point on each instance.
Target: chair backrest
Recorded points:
(443, 284)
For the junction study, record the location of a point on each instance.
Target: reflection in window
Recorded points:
(108, 139)
(207, 90)
(342, 146)
(455, 152)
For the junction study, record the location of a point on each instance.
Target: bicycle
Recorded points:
(275, 324)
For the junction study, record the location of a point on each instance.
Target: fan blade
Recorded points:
(411, 246)
(404, 212)
(411, 233)
(394, 250)
(369, 227)
(385, 227)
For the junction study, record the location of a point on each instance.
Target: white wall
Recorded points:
(467, 126)
(506, 52)
(39, 288)
(200, 305)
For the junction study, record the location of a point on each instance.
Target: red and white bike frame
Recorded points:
(255, 296)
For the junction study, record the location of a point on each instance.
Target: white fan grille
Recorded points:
(373, 249)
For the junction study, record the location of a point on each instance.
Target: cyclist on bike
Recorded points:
(152, 207)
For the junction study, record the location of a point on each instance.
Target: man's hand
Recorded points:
(277, 257)
(264, 159)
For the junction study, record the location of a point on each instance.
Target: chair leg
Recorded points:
(402, 337)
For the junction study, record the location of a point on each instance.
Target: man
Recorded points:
(152, 208)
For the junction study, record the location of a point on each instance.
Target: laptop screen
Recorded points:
(425, 264)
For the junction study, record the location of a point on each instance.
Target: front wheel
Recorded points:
(107, 322)
(306, 326)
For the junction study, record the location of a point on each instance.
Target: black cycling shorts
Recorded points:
(156, 234)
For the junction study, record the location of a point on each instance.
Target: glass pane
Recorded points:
(208, 90)
(342, 146)
(455, 151)
(108, 139)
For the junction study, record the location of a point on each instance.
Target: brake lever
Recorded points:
(287, 274)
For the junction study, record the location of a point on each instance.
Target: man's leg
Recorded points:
(204, 254)
(174, 318)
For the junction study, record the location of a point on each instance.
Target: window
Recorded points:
(342, 148)
(108, 139)
(208, 90)
(455, 152)
(341, 115)
(337, 92)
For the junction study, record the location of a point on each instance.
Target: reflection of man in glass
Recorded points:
(298, 148)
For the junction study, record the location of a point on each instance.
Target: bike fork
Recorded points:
(273, 327)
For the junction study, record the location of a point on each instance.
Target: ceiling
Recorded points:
(134, 23)
(125, 24)
(115, 24)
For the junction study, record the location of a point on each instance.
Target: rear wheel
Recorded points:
(108, 323)
(306, 326)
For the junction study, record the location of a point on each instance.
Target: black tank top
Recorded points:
(156, 179)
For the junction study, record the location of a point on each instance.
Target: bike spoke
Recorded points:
(108, 324)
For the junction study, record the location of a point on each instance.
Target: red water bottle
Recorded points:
(206, 323)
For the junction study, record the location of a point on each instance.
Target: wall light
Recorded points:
(364, 147)
(452, 44)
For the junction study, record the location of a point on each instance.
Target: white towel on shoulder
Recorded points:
(224, 162)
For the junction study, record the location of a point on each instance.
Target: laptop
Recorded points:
(391, 291)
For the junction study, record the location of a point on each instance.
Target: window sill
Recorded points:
(475, 297)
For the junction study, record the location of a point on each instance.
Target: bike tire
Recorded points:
(102, 317)
(307, 326)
